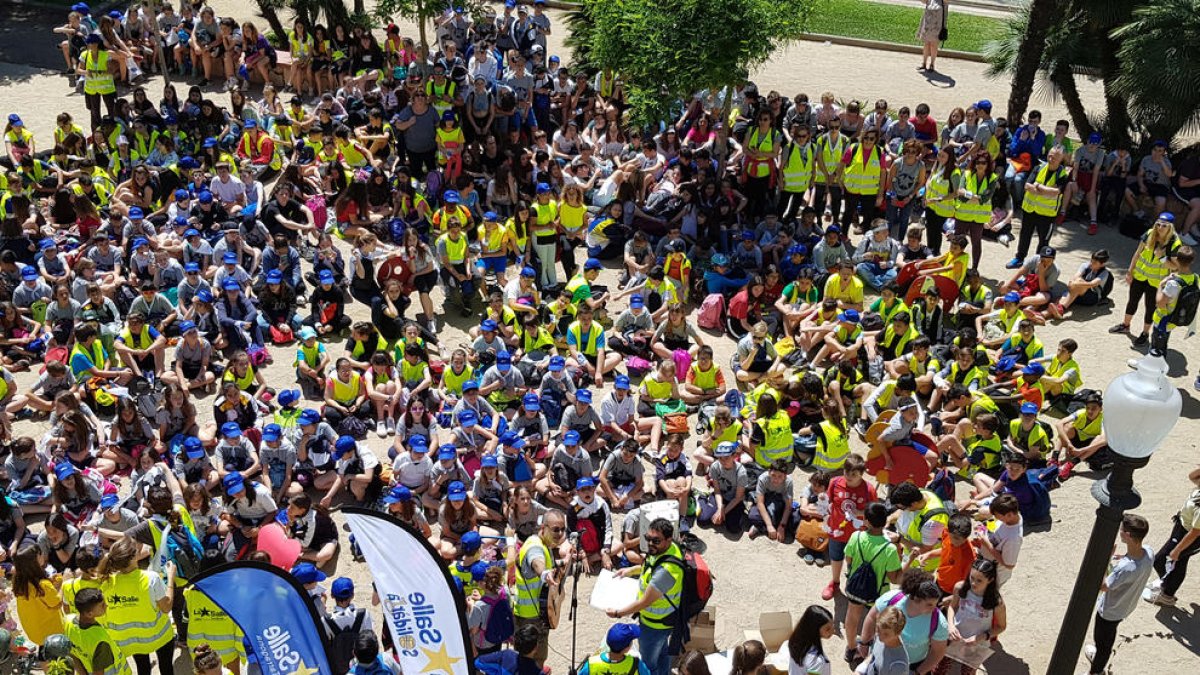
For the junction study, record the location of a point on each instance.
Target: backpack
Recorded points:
(711, 311)
(862, 586)
(942, 485)
(1184, 313)
(341, 645)
(187, 554)
(697, 585)
(683, 363)
(320, 211)
(499, 628)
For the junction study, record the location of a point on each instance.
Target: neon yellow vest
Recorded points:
(1042, 204)
(134, 622)
(529, 589)
(831, 453)
(209, 624)
(84, 642)
(658, 614)
(862, 178)
(975, 212)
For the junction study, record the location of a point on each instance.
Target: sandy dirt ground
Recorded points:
(757, 576)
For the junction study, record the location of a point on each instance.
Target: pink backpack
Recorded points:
(637, 366)
(711, 311)
(683, 363)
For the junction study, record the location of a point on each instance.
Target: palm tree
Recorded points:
(1160, 66)
(1041, 16)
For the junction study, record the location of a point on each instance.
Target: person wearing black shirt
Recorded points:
(285, 215)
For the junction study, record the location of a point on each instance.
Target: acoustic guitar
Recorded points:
(551, 598)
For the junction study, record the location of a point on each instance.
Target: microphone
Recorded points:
(574, 539)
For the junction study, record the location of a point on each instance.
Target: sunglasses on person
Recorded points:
(651, 539)
(558, 530)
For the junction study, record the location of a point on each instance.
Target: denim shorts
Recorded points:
(837, 550)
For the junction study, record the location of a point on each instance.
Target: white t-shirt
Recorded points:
(369, 460)
(228, 193)
(814, 664)
(1006, 539)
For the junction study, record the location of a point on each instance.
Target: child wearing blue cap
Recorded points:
(619, 639)
(447, 470)
(357, 468)
(278, 458)
(569, 463)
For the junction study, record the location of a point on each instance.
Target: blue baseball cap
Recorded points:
(47, 244)
(457, 492)
(512, 439)
(725, 449)
(621, 635)
(191, 267)
(204, 295)
(109, 500)
(479, 570)
(140, 242)
(833, 229)
(720, 260)
(64, 470)
(529, 272)
(531, 401)
(585, 482)
(398, 495)
(571, 438)
(1012, 296)
(470, 385)
(309, 416)
(488, 460)
(418, 443)
(274, 277)
(1029, 408)
(29, 272)
(205, 197)
(272, 432)
(1034, 368)
(637, 301)
(621, 382)
(1167, 216)
(542, 188)
(797, 249)
(583, 395)
(592, 264)
(325, 277)
(344, 445)
(342, 588)
(984, 105)
(557, 363)
(488, 325)
(451, 197)
(747, 235)
(181, 221)
(447, 452)
(232, 285)
(251, 124)
(231, 430)
(850, 316)
(490, 215)
(209, 142)
(468, 418)
(181, 195)
(1094, 137)
(288, 397)
(136, 213)
(307, 573)
(233, 483)
(470, 541)
(193, 448)
(188, 162)
(229, 258)
(192, 232)
(186, 326)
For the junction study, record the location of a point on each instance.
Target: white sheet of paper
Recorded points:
(613, 592)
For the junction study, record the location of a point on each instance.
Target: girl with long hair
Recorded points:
(805, 652)
(976, 615)
(39, 605)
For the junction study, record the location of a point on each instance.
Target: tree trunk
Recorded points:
(420, 6)
(360, 7)
(272, 17)
(1118, 122)
(1029, 57)
(1064, 81)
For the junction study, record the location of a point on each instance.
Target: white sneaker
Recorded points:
(1155, 585)
(1089, 652)
(1159, 598)
(391, 426)
(381, 429)
(432, 326)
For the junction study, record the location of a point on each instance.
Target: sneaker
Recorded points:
(1005, 239)
(809, 559)
(753, 533)
(1093, 228)
(1119, 328)
(1189, 239)
(1159, 598)
(204, 82)
(391, 426)
(1089, 653)
(1154, 585)
(432, 326)
(1141, 339)
(381, 429)
(1064, 471)
(1012, 264)
(861, 427)
(829, 591)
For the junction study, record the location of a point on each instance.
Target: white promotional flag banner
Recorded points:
(426, 616)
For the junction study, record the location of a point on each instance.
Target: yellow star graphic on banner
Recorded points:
(439, 661)
(305, 670)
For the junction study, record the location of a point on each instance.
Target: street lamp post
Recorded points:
(1140, 409)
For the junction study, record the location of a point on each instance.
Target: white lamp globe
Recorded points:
(1140, 409)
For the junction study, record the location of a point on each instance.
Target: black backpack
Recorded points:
(341, 644)
(862, 586)
(1185, 306)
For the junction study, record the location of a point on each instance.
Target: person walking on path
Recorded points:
(932, 32)
(1171, 563)
(1128, 573)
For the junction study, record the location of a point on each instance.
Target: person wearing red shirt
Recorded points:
(849, 494)
(257, 146)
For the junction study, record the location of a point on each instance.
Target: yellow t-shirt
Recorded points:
(41, 615)
(850, 295)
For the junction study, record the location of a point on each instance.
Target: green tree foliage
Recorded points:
(423, 12)
(664, 51)
(1160, 66)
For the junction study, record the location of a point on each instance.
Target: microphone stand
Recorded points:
(576, 569)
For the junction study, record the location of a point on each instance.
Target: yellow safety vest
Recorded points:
(1056, 368)
(705, 379)
(141, 341)
(797, 168)
(991, 449)
(244, 382)
(359, 348)
(351, 154)
(209, 624)
(464, 577)
(456, 251)
(311, 356)
(863, 174)
(276, 161)
(84, 642)
(1041, 204)
(763, 144)
(585, 346)
(134, 622)
(656, 388)
(1161, 316)
(899, 343)
(597, 665)
(832, 452)
(97, 357)
(453, 382)
(491, 243)
(659, 614)
(934, 510)
(346, 393)
(1086, 430)
(831, 154)
(937, 194)
(981, 403)
(777, 439)
(980, 212)
(529, 589)
(572, 218)
(974, 374)
(300, 48)
(1149, 267)
(544, 216)
(98, 79)
(185, 519)
(1036, 436)
(577, 282)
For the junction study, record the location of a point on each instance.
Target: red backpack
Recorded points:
(697, 584)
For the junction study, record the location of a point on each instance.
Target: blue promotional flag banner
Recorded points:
(424, 609)
(270, 607)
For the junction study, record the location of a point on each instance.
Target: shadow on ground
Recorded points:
(26, 39)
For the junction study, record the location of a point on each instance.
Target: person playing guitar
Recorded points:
(540, 572)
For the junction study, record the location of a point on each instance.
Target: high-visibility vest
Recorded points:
(96, 356)
(832, 451)
(1162, 315)
(185, 519)
(658, 614)
(136, 624)
(705, 379)
(1056, 368)
(491, 243)
(544, 216)
(209, 624)
(937, 194)
(965, 377)
(980, 212)
(456, 251)
(453, 381)
(934, 510)
(464, 577)
(831, 153)
(1044, 205)
(312, 356)
(244, 382)
(84, 642)
(1036, 436)
(990, 448)
(276, 161)
(441, 217)
(763, 143)
(627, 666)
(862, 176)
(436, 94)
(797, 168)
(577, 282)
(981, 403)
(357, 348)
(141, 341)
(529, 589)
(898, 343)
(777, 439)
(585, 346)
(657, 389)
(572, 218)
(1148, 266)
(98, 79)
(347, 392)
(1085, 429)
(300, 48)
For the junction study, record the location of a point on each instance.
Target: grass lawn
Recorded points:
(896, 23)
